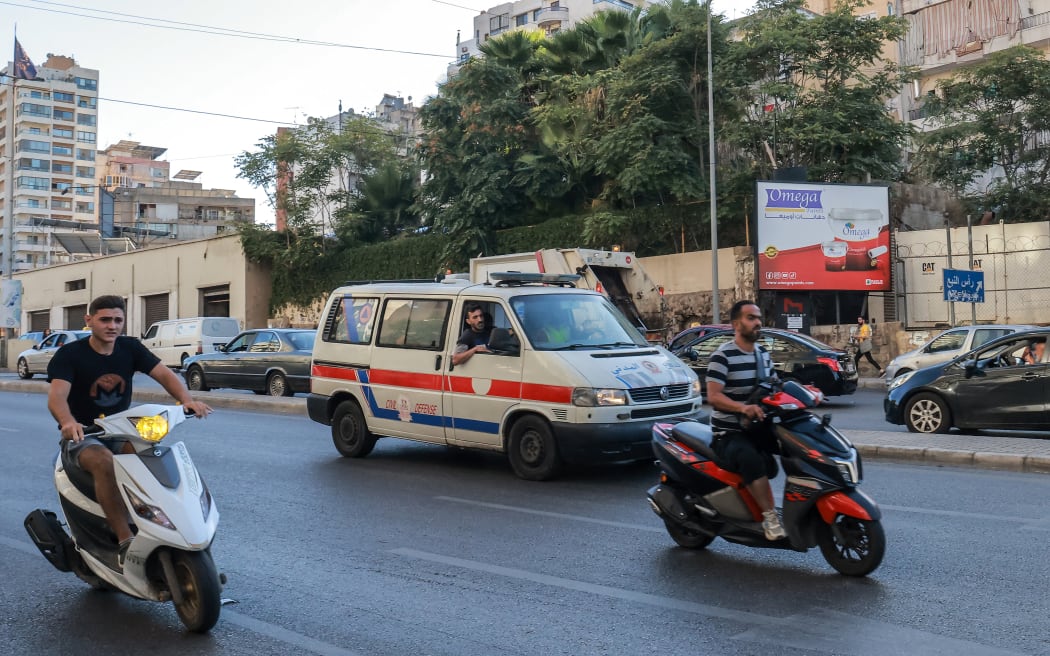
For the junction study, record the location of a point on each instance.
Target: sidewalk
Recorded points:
(1019, 454)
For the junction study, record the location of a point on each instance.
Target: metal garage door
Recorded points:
(154, 309)
(75, 317)
(39, 321)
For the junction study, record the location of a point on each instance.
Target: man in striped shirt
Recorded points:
(732, 375)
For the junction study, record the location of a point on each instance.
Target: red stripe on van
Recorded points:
(546, 393)
(510, 389)
(324, 371)
(405, 379)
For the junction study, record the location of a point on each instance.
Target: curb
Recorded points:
(1035, 464)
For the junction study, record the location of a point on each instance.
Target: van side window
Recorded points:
(352, 320)
(414, 323)
(187, 328)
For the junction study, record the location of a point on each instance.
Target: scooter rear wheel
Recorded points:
(686, 538)
(852, 546)
(199, 583)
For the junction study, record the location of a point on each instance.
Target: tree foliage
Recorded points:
(988, 138)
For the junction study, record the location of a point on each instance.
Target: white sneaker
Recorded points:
(771, 525)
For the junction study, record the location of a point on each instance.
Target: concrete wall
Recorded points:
(180, 270)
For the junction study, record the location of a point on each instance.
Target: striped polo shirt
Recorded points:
(737, 371)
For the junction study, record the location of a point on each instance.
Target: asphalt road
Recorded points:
(427, 550)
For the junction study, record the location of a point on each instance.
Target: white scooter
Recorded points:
(172, 510)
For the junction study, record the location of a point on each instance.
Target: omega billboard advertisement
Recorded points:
(823, 237)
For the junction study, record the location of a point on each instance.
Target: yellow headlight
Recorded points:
(152, 429)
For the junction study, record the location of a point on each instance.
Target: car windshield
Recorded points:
(302, 340)
(573, 321)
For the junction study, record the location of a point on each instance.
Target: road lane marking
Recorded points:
(1032, 524)
(546, 513)
(10, 430)
(820, 629)
(298, 641)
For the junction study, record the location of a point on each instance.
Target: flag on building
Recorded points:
(24, 69)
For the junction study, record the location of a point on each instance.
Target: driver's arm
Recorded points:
(58, 404)
(173, 386)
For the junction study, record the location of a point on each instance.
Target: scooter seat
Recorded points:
(81, 480)
(696, 436)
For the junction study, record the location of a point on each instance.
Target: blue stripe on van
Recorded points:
(477, 425)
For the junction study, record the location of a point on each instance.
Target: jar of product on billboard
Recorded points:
(859, 229)
(834, 255)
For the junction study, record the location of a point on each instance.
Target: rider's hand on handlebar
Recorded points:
(72, 431)
(754, 412)
(198, 408)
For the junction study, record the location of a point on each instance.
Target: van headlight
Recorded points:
(590, 397)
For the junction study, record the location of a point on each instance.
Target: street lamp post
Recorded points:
(715, 308)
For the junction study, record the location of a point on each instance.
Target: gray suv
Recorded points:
(947, 345)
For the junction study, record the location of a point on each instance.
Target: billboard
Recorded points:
(823, 237)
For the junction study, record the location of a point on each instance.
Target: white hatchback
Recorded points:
(947, 345)
(35, 360)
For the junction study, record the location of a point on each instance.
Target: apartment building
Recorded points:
(548, 16)
(48, 126)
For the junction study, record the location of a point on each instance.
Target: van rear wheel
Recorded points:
(350, 433)
(532, 451)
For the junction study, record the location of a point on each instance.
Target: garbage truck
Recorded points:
(616, 274)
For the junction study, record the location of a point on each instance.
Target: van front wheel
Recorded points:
(531, 449)
(350, 433)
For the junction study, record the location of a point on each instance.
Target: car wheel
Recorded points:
(350, 433)
(277, 385)
(927, 413)
(531, 449)
(195, 380)
(23, 369)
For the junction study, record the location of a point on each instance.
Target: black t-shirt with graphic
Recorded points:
(100, 384)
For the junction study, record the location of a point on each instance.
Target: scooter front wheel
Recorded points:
(687, 538)
(852, 546)
(198, 582)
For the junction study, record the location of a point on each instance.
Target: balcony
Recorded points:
(552, 17)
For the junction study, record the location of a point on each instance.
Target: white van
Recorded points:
(177, 339)
(567, 378)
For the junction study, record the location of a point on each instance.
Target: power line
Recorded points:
(207, 29)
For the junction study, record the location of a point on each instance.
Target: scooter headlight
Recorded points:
(152, 429)
(147, 511)
(205, 501)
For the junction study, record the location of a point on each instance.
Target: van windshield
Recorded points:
(573, 321)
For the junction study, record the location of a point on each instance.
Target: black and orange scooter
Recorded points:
(699, 500)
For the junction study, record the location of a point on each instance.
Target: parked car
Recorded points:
(991, 386)
(795, 357)
(175, 340)
(34, 360)
(690, 335)
(274, 361)
(946, 346)
(35, 336)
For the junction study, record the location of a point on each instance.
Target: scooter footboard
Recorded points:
(47, 534)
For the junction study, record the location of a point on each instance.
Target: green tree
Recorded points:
(819, 92)
(987, 134)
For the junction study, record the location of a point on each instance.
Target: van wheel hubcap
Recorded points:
(531, 447)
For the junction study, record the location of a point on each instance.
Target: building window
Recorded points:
(75, 285)
(86, 84)
(85, 171)
(62, 205)
(215, 301)
(85, 155)
(32, 202)
(211, 215)
(87, 102)
(63, 133)
(32, 109)
(85, 207)
(157, 172)
(499, 23)
(63, 115)
(30, 182)
(61, 150)
(34, 146)
(61, 96)
(86, 137)
(60, 167)
(87, 119)
(521, 19)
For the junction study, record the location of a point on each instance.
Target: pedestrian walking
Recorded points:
(863, 338)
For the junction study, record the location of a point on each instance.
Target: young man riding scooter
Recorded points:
(732, 375)
(93, 377)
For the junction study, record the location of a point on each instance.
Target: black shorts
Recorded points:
(746, 455)
(74, 449)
